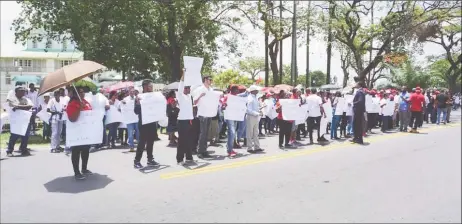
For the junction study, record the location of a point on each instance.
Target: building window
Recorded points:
(22, 63)
(65, 62)
(64, 45)
(8, 79)
(34, 44)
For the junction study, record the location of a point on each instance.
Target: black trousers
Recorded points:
(196, 130)
(314, 122)
(185, 144)
(301, 130)
(77, 152)
(416, 119)
(285, 128)
(371, 120)
(146, 141)
(343, 124)
(358, 119)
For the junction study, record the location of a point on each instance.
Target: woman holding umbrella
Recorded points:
(77, 104)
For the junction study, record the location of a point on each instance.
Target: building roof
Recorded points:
(44, 55)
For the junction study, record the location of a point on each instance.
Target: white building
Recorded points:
(35, 62)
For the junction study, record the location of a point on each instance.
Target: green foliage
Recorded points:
(252, 66)
(140, 36)
(318, 78)
(223, 79)
(410, 75)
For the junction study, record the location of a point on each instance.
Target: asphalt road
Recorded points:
(396, 178)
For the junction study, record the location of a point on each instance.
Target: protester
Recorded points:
(46, 132)
(132, 128)
(403, 109)
(417, 101)
(56, 108)
(231, 124)
(315, 111)
(146, 141)
(122, 128)
(284, 126)
(115, 103)
(385, 115)
(172, 114)
(19, 102)
(185, 127)
(32, 95)
(441, 104)
(359, 107)
(335, 118)
(253, 112)
(204, 121)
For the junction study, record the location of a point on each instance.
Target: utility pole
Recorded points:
(369, 81)
(293, 77)
(308, 76)
(280, 44)
(329, 43)
(266, 49)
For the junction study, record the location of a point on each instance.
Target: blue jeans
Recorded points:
(231, 134)
(15, 137)
(438, 114)
(241, 130)
(350, 125)
(334, 125)
(130, 128)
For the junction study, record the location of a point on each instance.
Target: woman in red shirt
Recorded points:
(73, 111)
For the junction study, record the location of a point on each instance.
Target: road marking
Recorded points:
(291, 154)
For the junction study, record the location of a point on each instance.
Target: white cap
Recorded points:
(253, 88)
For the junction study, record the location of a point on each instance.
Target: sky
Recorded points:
(318, 56)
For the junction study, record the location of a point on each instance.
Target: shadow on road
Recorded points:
(152, 169)
(196, 165)
(71, 186)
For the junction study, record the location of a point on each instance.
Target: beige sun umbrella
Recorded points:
(68, 74)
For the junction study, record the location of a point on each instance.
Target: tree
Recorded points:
(252, 66)
(143, 36)
(438, 70)
(318, 78)
(395, 29)
(228, 77)
(410, 75)
(447, 33)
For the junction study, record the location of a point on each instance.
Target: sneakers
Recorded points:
(9, 154)
(251, 151)
(259, 150)
(232, 154)
(87, 172)
(413, 131)
(79, 176)
(132, 150)
(25, 153)
(152, 163)
(137, 165)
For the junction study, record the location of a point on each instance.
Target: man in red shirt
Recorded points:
(417, 101)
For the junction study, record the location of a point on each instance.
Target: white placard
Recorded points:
(389, 108)
(291, 110)
(87, 130)
(369, 104)
(113, 115)
(19, 121)
(303, 107)
(44, 116)
(193, 66)
(323, 125)
(340, 108)
(153, 107)
(128, 112)
(208, 104)
(348, 107)
(236, 108)
(375, 105)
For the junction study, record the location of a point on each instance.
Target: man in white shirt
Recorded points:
(101, 104)
(133, 127)
(315, 111)
(204, 121)
(185, 117)
(19, 102)
(252, 120)
(32, 95)
(55, 107)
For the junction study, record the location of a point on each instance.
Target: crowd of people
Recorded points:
(195, 133)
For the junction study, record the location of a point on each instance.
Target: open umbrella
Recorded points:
(68, 74)
(284, 87)
(87, 82)
(120, 85)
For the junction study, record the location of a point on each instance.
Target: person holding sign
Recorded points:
(253, 112)
(315, 111)
(112, 126)
(46, 134)
(204, 121)
(19, 102)
(146, 141)
(232, 124)
(129, 113)
(185, 126)
(77, 104)
(337, 104)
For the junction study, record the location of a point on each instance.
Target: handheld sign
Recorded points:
(87, 130)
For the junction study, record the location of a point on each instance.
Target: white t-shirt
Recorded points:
(33, 96)
(314, 105)
(383, 105)
(64, 101)
(184, 103)
(200, 90)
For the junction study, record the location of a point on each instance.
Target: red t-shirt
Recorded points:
(416, 100)
(74, 105)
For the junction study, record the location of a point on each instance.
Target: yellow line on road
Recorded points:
(285, 155)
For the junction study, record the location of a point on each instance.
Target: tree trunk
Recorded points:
(274, 66)
(175, 50)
